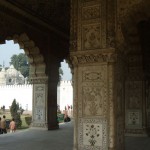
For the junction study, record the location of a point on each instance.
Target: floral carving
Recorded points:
(91, 37)
(92, 100)
(39, 99)
(91, 12)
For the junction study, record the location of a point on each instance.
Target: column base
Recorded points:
(55, 127)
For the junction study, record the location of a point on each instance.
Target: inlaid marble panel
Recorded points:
(133, 118)
(39, 114)
(93, 134)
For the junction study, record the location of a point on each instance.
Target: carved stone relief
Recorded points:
(93, 20)
(92, 76)
(39, 105)
(93, 134)
(39, 95)
(93, 98)
(91, 37)
(92, 101)
(39, 100)
(93, 58)
(92, 12)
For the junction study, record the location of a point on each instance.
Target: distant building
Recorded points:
(65, 94)
(11, 77)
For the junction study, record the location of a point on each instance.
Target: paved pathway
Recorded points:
(62, 139)
(35, 139)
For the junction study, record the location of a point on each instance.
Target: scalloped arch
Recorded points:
(36, 60)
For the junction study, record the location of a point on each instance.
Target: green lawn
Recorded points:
(8, 116)
(24, 125)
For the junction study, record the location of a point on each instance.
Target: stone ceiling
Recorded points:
(54, 12)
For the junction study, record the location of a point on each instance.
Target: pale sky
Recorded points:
(9, 49)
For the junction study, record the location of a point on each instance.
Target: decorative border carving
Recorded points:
(39, 80)
(93, 58)
(93, 134)
(92, 76)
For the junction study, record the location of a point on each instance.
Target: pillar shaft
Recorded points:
(52, 97)
(39, 118)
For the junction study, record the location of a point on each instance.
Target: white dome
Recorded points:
(12, 71)
(11, 76)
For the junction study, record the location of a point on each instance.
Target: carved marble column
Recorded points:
(93, 55)
(39, 117)
(53, 79)
(93, 100)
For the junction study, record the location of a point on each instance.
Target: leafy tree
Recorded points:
(15, 114)
(20, 62)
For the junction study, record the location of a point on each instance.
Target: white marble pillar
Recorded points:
(39, 114)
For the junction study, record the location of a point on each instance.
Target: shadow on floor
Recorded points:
(137, 143)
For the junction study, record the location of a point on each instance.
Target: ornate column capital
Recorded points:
(99, 56)
(39, 80)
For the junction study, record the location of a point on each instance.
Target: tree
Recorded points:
(20, 62)
(14, 110)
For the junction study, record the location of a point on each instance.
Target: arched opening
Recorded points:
(65, 91)
(36, 72)
(14, 77)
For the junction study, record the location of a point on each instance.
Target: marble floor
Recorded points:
(62, 139)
